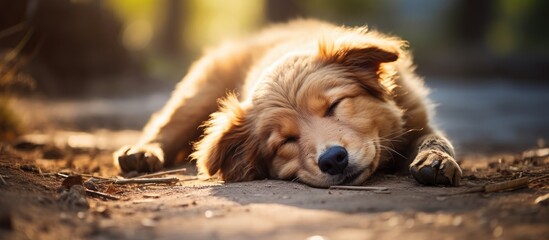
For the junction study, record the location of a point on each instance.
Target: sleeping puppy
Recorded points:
(306, 101)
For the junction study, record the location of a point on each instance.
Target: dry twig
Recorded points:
(100, 194)
(132, 180)
(364, 188)
(543, 177)
(62, 175)
(156, 174)
(3, 181)
(65, 174)
(507, 185)
(93, 176)
(145, 180)
(496, 187)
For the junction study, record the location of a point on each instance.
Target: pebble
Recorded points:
(498, 231)
(212, 214)
(81, 214)
(409, 223)
(90, 185)
(103, 211)
(148, 222)
(457, 221)
(316, 237)
(393, 221)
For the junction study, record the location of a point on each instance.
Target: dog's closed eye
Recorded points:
(331, 109)
(290, 139)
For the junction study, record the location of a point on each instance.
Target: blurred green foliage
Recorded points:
(520, 26)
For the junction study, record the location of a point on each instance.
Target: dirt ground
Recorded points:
(34, 204)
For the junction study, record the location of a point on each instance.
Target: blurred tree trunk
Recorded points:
(171, 40)
(473, 20)
(70, 44)
(282, 10)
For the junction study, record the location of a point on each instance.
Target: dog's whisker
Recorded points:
(384, 140)
(389, 148)
(392, 151)
(388, 142)
(400, 134)
(396, 137)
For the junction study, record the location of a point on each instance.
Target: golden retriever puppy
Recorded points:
(306, 101)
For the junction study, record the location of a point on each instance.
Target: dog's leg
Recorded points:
(435, 162)
(167, 137)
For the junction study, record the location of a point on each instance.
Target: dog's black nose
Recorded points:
(334, 160)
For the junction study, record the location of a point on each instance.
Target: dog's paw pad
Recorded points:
(434, 167)
(138, 159)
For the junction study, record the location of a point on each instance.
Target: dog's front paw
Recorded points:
(435, 167)
(147, 158)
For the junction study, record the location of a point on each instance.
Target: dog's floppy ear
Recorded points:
(227, 147)
(365, 61)
(356, 55)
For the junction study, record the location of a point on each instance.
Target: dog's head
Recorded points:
(320, 117)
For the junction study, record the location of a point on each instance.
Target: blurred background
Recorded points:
(106, 65)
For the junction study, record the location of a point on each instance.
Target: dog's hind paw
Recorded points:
(435, 167)
(141, 159)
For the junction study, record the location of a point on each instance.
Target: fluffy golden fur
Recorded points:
(271, 105)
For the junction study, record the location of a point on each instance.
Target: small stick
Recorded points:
(62, 175)
(145, 180)
(507, 185)
(3, 181)
(156, 174)
(359, 188)
(93, 176)
(133, 180)
(100, 194)
(81, 174)
(496, 187)
(539, 178)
